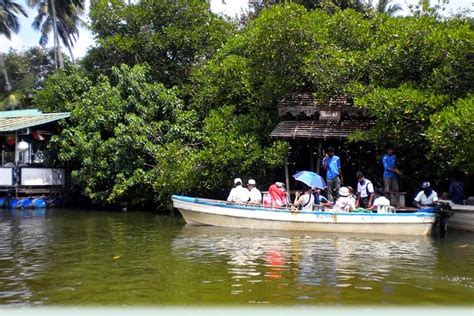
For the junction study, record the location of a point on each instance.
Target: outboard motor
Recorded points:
(444, 212)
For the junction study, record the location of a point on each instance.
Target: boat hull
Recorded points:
(205, 212)
(463, 218)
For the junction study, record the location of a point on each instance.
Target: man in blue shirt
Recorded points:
(390, 172)
(332, 164)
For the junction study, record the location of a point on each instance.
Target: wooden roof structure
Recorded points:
(317, 129)
(335, 118)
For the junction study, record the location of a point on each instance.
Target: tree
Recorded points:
(8, 25)
(62, 90)
(9, 11)
(330, 6)
(63, 16)
(401, 70)
(450, 134)
(113, 141)
(386, 6)
(149, 141)
(28, 70)
(170, 36)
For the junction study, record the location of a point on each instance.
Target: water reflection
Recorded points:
(332, 262)
(77, 257)
(24, 235)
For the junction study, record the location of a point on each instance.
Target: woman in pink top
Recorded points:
(276, 196)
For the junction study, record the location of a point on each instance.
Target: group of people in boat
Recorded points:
(309, 199)
(339, 198)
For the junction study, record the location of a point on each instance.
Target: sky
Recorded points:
(28, 37)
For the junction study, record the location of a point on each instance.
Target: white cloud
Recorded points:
(229, 7)
(84, 41)
(5, 44)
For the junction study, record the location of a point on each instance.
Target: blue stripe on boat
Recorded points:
(253, 208)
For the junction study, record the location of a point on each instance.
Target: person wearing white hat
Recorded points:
(238, 194)
(345, 203)
(255, 194)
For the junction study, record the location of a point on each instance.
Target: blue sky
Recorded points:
(28, 37)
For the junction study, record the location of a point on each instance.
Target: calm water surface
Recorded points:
(72, 257)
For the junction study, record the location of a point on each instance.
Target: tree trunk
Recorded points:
(57, 47)
(72, 54)
(8, 87)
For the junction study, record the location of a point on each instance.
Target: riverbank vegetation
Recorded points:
(174, 99)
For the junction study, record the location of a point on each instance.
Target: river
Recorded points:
(95, 258)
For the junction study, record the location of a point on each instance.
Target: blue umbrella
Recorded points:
(311, 179)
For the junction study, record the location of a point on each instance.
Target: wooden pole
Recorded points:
(311, 155)
(287, 176)
(318, 161)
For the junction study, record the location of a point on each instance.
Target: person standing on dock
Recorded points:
(332, 164)
(390, 172)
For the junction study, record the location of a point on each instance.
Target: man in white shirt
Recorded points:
(427, 197)
(255, 194)
(365, 191)
(381, 202)
(238, 194)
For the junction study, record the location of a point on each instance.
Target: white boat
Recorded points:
(220, 213)
(463, 218)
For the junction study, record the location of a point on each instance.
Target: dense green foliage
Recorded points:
(134, 140)
(63, 90)
(403, 70)
(451, 135)
(170, 36)
(26, 72)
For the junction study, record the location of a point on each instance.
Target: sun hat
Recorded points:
(237, 180)
(344, 191)
(252, 182)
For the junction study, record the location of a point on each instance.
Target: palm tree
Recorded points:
(385, 6)
(63, 17)
(8, 17)
(8, 25)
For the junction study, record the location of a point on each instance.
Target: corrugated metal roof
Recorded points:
(15, 123)
(318, 129)
(308, 99)
(18, 113)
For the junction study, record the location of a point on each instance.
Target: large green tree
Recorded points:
(413, 75)
(170, 36)
(402, 70)
(131, 142)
